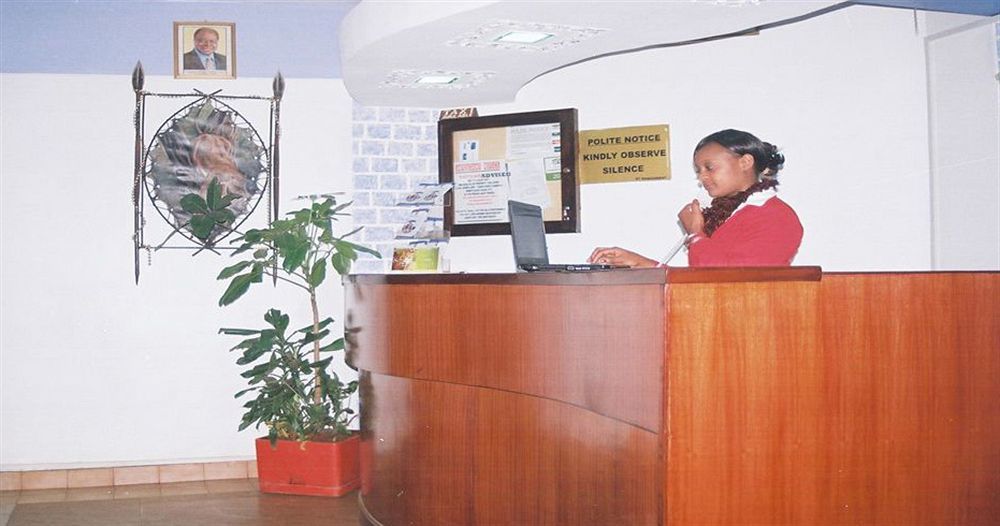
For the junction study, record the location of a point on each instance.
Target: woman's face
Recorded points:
(722, 172)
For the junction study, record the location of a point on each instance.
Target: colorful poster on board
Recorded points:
(493, 165)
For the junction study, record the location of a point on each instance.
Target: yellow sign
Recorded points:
(615, 155)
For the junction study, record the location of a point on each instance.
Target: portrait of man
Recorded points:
(204, 50)
(204, 56)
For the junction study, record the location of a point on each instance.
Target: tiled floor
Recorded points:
(209, 503)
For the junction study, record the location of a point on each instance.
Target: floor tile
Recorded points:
(9, 497)
(158, 508)
(93, 513)
(183, 488)
(42, 495)
(137, 491)
(80, 494)
(251, 510)
(230, 486)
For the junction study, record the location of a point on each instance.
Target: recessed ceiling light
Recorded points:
(523, 37)
(437, 79)
(434, 79)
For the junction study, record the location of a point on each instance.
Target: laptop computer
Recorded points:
(531, 254)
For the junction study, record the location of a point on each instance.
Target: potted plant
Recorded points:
(304, 404)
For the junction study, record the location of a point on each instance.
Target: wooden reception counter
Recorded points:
(680, 397)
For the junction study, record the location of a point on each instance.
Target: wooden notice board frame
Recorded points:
(562, 215)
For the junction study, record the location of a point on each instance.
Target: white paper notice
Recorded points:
(527, 181)
(533, 141)
(481, 192)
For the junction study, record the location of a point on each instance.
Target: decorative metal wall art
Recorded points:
(205, 170)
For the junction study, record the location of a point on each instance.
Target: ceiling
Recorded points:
(386, 46)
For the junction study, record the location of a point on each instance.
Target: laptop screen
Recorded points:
(527, 232)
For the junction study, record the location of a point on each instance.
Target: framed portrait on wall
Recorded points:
(204, 50)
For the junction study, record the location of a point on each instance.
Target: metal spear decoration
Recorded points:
(205, 170)
(138, 78)
(278, 88)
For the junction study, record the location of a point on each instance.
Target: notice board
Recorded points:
(529, 157)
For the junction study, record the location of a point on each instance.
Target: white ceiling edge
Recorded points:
(380, 39)
(373, 20)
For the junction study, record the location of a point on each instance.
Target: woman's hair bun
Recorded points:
(773, 161)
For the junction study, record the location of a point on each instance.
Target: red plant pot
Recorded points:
(308, 468)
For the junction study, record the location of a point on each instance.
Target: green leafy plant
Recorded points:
(209, 213)
(297, 397)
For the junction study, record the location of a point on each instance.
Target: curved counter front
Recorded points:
(630, 397)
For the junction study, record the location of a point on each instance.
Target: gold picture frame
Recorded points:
(215, 48)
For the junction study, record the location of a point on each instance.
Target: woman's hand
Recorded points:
(619, 256)
(692, 218)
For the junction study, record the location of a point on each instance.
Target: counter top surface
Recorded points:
(615, 277)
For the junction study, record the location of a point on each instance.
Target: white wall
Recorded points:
(965, 133)
(97, 370)
(844, 96)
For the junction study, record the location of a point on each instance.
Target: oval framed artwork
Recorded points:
(203, 141)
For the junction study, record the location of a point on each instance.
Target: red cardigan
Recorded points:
(755, 235)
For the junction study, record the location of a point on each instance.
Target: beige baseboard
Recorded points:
(124, 476)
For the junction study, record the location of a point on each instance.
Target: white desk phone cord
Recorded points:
(674, 250)
(684, 240)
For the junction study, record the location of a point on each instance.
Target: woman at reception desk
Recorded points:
(747, 224)
(743, 391)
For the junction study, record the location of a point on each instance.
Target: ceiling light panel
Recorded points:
(524, 36)
(436, 79)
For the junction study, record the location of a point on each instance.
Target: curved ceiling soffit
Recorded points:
(742, 33)
(927, 5)
(939, 6)
(383, 69)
